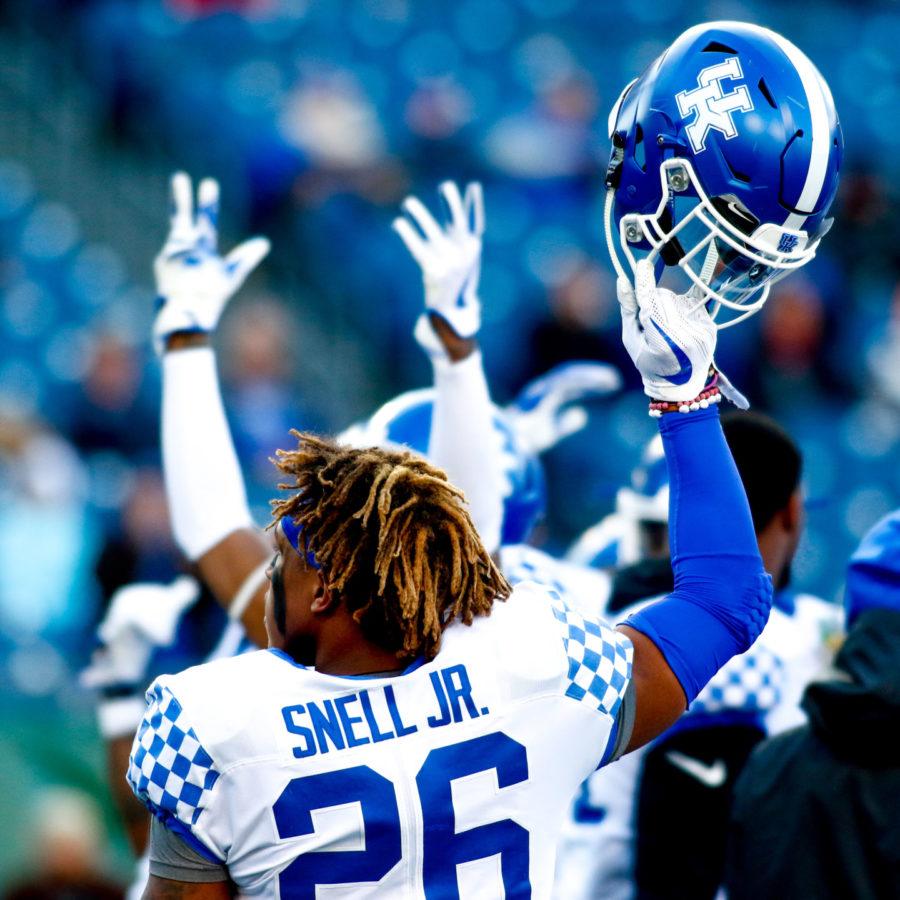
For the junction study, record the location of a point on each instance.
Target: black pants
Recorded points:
(683, 810)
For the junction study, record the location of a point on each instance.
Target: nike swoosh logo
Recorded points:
(739, 212)
(713, 776)
(683, 375)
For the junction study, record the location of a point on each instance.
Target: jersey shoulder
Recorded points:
(539, 636)
(196, 724)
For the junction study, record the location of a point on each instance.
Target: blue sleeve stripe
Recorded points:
(610, 744)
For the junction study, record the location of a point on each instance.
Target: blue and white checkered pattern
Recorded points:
(748, 683)
(599, 658)
(169, 770)
(526, 570)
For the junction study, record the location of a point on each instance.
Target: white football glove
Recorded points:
(670, 337)
(546, 410)
(140, 618)
(193, 282)
(450, 259)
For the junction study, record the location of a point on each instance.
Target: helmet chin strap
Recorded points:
(706, 274)
(611, 246)
(709, 264)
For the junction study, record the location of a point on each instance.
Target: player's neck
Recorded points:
(349, 653)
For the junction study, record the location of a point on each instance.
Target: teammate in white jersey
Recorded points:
(621, 839)
(451, 770)
(143, 622)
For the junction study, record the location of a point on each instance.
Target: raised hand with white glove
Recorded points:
(450, 259)
(461, 440)
(193, 282)
(671, 338)
(547, 409)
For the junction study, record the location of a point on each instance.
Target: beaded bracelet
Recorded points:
(709, 394)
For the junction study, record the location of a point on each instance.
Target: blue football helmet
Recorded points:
(405, 422)
(615, 540)
(725, 160)
(646, 498)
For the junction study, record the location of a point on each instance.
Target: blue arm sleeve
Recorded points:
(722, 595)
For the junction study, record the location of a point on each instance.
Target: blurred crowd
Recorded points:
(318, 117)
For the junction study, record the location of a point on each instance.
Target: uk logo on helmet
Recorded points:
(787, 243)
(711, 106)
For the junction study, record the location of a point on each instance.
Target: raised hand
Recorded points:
(670, 337)
(141, 617)
(193, 282)
(548, 408)
(450, 259)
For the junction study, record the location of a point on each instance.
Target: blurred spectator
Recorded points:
(46, 534)
(335, 128)
(109, 411)
(67, 847)
(262, 349)
(801, 362)
(883, 359)
(139, 545)
(866, 226)
(833, 786)
(436, 116)
(553, 139)
(583, 322)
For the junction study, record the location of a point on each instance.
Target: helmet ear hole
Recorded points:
(640, 152)
(718, 47)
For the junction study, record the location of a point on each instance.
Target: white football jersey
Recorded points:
(596, 852)
(452, 777)
(805, 639)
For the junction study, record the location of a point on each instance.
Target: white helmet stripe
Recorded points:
(818, 98)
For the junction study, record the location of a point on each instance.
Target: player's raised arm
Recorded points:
(207, 501)
(462, 433)
(722, 594)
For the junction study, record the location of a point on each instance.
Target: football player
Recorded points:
(395, 738)
(491, 454)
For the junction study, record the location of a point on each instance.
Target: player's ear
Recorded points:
(324, 600)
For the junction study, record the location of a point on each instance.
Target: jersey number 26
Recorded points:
(443, 847)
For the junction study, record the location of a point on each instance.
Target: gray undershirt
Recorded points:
(625, 718)
(171, 857)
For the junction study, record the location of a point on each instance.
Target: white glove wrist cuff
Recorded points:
(247, 592)
(470, 369)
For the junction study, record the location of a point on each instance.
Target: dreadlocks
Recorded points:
(394, 540)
